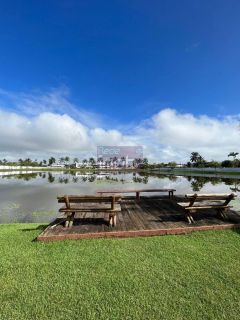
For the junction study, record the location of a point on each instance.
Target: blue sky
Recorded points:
(118, 64)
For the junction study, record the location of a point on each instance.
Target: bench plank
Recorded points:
(201, 199)
(88, 203)
(137, 191)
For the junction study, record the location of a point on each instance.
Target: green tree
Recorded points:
(197, 159)
(226, 164)
(67, 159)
(145, 161)
(51, 161)
(85, 161)
(234, 155)
(194, 157)
(62, 159)
(91, 161)
(123, 160)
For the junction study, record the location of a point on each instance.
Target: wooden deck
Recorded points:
(151, 216)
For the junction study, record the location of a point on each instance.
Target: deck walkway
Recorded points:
(151, 216)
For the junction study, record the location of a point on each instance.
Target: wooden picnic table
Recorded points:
(89, 203)
(137, 191)
(194, 202)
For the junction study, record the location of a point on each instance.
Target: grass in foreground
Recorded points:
(172, 277)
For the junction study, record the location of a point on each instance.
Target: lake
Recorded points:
(31, 197)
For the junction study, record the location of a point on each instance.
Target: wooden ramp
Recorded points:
(151, 216)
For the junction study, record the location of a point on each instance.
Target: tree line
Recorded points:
(67, 161)
(197, 161)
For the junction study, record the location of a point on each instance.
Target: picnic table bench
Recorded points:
(195, 202)
(138, 191)
(93, 203)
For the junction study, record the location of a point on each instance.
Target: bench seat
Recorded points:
(96, 204)
(137, 191)
(195, 202)
(90, 208)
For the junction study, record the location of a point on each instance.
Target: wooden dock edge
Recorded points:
(135, 233)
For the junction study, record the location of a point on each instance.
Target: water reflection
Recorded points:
(197, 182)
(31, 196)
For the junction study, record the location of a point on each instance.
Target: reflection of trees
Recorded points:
(63, 180)
(92, 178)
(215, 180)
(152, 175)
(172, 178)
(198, 183)
(25, 176)
(229, 181)
(108, 178)
(75, 179)
(84, 179)
(140, 180)
(51, 178)
(236, 186)
(145, 180)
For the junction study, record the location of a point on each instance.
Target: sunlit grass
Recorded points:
(171, 277)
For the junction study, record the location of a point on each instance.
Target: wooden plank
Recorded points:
(80, 199)
(135, 190)
(210, 195)
(139, 213)
(136, 233)
(121, 225)
(150, 212)
(206, 207)
(93, 207)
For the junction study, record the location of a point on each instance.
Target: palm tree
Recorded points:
(137, 161)
(194, 157)
(62, 159)
(123, 159)
(145, 161)
(85, 161)
(100, 160)
(234, 155)
(76, 160)
(92, 161)
(115, 159)
(67, 159)
(51, 161)
(197, 159)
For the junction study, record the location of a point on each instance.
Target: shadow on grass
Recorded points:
(40, 227)
(236, 230)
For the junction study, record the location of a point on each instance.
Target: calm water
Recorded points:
(31, 197)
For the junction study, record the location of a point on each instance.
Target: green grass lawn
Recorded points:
(195, 276)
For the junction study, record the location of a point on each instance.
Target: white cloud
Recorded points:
(180, 134)
(55, 101)
(167, 136)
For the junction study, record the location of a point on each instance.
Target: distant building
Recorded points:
(119, 155)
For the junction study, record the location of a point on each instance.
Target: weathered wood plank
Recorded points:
(146, 217)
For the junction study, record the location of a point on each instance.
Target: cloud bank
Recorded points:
(43, 125)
